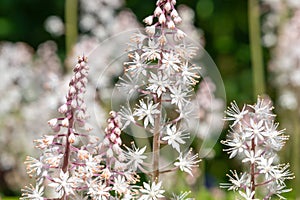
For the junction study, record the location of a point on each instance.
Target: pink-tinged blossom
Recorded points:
(254, 138)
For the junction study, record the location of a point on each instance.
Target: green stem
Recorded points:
(296, 152)
(156, 143)
(71, 9)
(256, 49)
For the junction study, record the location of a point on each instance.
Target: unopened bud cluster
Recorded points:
(167, 17)
(112, 138)
(74, 109)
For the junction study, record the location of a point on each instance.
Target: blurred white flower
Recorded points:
(54, 26)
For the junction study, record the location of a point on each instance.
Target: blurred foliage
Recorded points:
(224, 23)
(225, 27)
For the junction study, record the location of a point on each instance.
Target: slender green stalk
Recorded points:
(296, 152)
(156, 144)
(71, 10)
(259, 87)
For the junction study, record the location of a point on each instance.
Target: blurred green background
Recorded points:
(224, 24)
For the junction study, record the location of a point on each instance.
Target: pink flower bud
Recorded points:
(174, 13)
(177, 20)
(111, 126)
(162, 19)
(119, 141)
(53, 122)
(74, 103)
(148, 20)
(167, 6)
(84, 80)
(117, 131)
(170, 24)
(157, 11)
(71, 138)
(113, 114)
(77, 66)
(78, 85)
(150, 30)
(86, 67)
(112, 137)
(72, 90)
(77, 75)
(65, 122)
(63, 109)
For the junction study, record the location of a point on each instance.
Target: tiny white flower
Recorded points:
(251, 156)
(146, 111)
(34, 166)
(33, 193)
(120, 185)
(175, 137)
(98, 190)
(158, 83)
(187, 162)
(64, 184)
(266, 167)
(170, 62)
(151, 192)
(152, 51)
(135, 157)
(179, 96)
(248, 195)
(236, 180)
(234, 113)
(236, 143)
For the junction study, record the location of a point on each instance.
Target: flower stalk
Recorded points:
(254, 138)
(259, 86)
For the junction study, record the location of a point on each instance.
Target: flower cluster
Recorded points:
(161, 74)
(254, 138)
(284, 64)
(75, 165)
